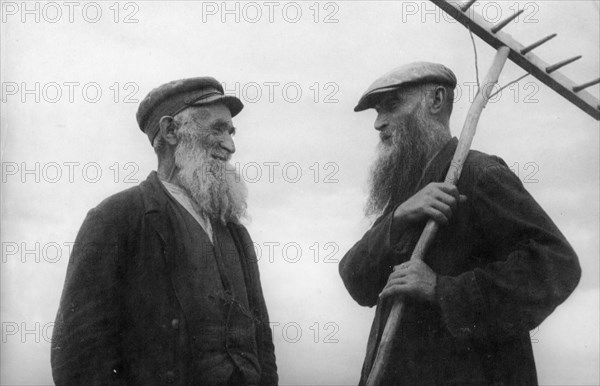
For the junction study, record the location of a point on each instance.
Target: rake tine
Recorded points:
(504, 22)
(467, 5)
(558, 65)
(537, 44)
(586, 85)
(522, 54)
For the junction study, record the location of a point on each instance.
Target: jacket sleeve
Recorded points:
(85, 342)
(266, 350)
(367, 265)
(530, 268)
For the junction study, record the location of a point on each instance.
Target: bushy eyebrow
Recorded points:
(222, 126)
(387, 101)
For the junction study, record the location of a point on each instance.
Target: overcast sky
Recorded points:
(72, 78)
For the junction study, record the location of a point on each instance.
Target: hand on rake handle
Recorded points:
(462, 150)
(413, 279)
(437, 200)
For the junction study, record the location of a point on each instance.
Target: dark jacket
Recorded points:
(126, 314)
(502, 268)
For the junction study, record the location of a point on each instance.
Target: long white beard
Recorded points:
(215, 186)
(399, 165)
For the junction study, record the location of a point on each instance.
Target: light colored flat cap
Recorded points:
(409, 74)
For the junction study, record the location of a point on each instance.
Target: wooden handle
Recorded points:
(430, 230)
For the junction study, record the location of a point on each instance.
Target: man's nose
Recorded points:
(228, 144)
(381, 122)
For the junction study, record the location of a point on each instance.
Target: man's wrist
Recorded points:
(398, 224)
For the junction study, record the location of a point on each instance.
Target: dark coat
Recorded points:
(127, 314)
(502, 266)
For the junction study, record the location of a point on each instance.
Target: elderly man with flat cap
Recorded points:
(162, 286)
(497, 268)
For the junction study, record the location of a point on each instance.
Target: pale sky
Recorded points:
(72, 81)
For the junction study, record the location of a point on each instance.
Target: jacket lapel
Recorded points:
(161, 218)
(155, 205)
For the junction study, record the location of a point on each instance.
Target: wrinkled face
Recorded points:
(409, 137)
(394, 113)
(213, 127)
(204, 148)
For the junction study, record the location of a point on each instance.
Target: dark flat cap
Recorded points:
(412, 73)
(173, 97)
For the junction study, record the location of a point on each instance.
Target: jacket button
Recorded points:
(170, 377)
(175, 323)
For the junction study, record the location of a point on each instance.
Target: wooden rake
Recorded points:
(506, 47)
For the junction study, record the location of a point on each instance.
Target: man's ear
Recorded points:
(167, 129)
(437, 100)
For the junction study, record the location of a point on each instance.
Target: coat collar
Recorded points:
(156, 203)
(155, 206)
(153, 194)
(437, 167)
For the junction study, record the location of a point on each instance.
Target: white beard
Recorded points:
(215, 186)
(400, 164)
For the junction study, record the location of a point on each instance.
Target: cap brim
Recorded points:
(233, 104)
(368, 100)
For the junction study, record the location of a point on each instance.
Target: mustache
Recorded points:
(220, 154)
(385, 136)
(196, 143)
